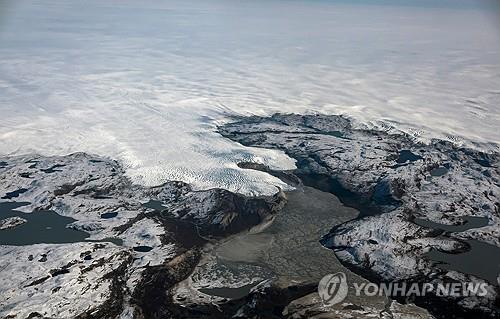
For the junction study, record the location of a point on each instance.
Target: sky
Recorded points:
(148, 82)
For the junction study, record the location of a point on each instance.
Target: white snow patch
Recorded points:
(62, 296)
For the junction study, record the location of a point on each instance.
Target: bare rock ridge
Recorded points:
(141, 241)
(410, 195)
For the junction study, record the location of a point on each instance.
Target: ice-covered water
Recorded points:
(148, 81)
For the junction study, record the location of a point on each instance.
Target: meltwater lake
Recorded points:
(44, 226)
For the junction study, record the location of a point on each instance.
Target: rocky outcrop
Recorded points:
(11, 222)
(392, 180)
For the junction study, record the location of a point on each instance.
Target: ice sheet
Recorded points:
(148, 82)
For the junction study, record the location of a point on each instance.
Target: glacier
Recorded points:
(148, 83)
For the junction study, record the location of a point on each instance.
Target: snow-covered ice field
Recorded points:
(147, 82)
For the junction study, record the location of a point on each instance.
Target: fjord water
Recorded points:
(147, 82)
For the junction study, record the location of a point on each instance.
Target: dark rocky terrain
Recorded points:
(160, 252)
(142, 240)
(395, 181)
(144, 245)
